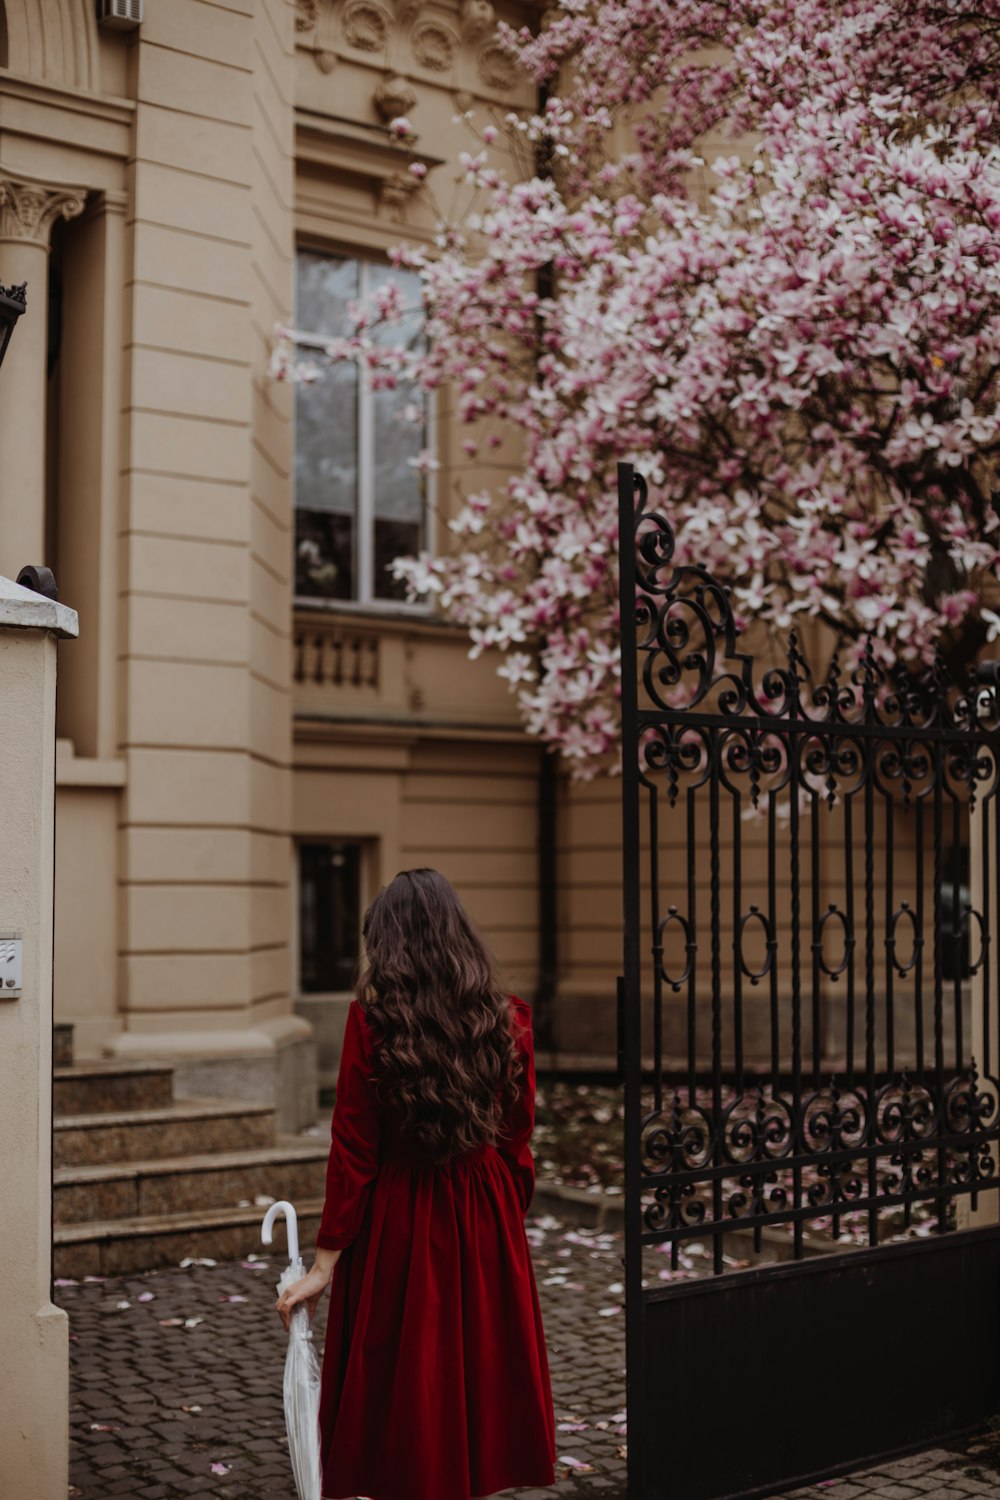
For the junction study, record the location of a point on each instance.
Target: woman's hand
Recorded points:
(309, 1288)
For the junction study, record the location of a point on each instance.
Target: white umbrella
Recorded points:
(301, 1368)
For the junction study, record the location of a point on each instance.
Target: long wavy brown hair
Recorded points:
(446, 1058)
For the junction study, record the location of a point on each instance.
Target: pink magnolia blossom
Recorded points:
(796, 340)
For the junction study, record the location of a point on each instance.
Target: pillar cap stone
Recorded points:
(23, 609)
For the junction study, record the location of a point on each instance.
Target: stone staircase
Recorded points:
(142, 1180)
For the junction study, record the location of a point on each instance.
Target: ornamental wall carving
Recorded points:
(478, 19)
(434, 46)
(495, 67)
(394, 97)
(410, 37)
(366, 26)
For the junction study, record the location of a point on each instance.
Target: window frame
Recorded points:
(366, 602)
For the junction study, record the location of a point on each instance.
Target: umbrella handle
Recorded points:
(291, 1225)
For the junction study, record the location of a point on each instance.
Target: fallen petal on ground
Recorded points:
(576, 1464)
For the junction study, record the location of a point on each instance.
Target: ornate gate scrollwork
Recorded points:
(811, 1046)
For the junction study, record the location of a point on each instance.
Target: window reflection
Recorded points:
(360, 500)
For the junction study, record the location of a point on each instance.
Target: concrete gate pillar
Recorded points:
(34, 1335)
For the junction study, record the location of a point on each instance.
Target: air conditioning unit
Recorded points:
(120, 15)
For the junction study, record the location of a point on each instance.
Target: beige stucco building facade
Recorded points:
(253, 735)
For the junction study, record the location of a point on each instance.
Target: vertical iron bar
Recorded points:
(772, 917)
(918, 967)
(890, 943)
(632, 1027)
(987, 807)
(652, 797)
(942, 1156)
(957, 950)
(772, 954)
(715, 907)
(869, 774)
(938, 922)
(956, 928)
(981, 807)
(849, 917)
(737, 965)
(817, 943)
(796, 959)
(817, 951)
(692, 1039)
(917, 960)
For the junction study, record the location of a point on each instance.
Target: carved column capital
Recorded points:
(28, 209)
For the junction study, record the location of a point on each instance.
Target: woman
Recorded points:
(435, 1376)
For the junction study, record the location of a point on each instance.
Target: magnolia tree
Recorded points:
(797, 342)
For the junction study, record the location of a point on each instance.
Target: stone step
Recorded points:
(120, 1247)
(62, 1044)
(290, 1168)
(89, 1088)
(197, 1125)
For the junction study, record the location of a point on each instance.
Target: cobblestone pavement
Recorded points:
(176, 1386)
(971, 1468)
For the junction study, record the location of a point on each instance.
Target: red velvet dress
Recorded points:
(435, 1376)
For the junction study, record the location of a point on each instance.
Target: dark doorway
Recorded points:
(329, 915)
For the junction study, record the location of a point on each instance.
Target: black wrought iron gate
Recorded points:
(810, 1029)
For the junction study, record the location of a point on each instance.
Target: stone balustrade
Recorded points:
(336, 657)
(394, 669)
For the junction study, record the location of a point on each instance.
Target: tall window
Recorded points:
(359, 500)
(329, 916)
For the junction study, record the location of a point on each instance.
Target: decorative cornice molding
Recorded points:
(335, 144)
(36, 91)
(456, 42)
(28, 209)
